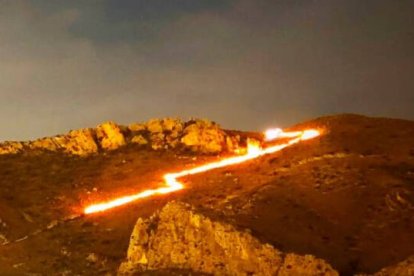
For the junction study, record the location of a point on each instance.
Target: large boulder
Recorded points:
(78, 142)
(180, 238)
(164, 133)
(110, 136)
(204, 136)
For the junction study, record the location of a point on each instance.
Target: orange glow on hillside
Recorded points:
(254, 150)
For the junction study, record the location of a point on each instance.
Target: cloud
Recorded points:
(246, 64)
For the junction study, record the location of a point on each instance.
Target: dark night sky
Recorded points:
(246, 64)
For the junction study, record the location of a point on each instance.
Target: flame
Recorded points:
(254, 150)
(272, 134)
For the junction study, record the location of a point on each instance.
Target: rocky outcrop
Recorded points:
(200, 136)
(204, 136)
(80, 142)
(76, 142)
(178, 237)
(109, 136)
(11, 147)
(139, 139)
(405, 267)
(164, 133)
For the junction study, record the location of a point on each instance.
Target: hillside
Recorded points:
(346, 197)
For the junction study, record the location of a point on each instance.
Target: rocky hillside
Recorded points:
(195, 135)
(180, 238)
(346, 198)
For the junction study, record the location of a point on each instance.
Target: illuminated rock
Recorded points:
(110, 136)
(232, 143)
(139, 139)
(164, 133)
(405, 267)
(178, 237)
(11, 147)
(154, 125)
(78, 142)
(204, 136)
(136, 127)
(172, 126)
(199, 136)
(48, 143)
(157, 140)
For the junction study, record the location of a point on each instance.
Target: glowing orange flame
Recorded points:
(254, 150)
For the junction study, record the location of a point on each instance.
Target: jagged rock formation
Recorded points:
(109, 136)
(180, 238)
(76, 142)
(11, 147)
(196, 135)
(204, 136)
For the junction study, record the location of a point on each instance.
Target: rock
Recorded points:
(294, 264)
(232, 143)
(3, 240)
(136, 127)
(200, 136)
(78, 142)
(155, 126)
(110, 136)
(52, 224)
(180, 238)
(48, 143)
(405, 268)
(204, 136)
(157, 140)
(92, 258)
(65, 252)
(139, 139)
(173, 126)
(165, 133)
(11, 147)
(27, 217)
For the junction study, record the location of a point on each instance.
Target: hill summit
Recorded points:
(197, 135)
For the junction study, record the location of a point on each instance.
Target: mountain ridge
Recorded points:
(345, 197)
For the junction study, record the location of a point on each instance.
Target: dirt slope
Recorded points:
(346, 197)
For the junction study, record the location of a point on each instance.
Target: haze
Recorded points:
(245, 64)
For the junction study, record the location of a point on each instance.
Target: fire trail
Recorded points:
(173, 184)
